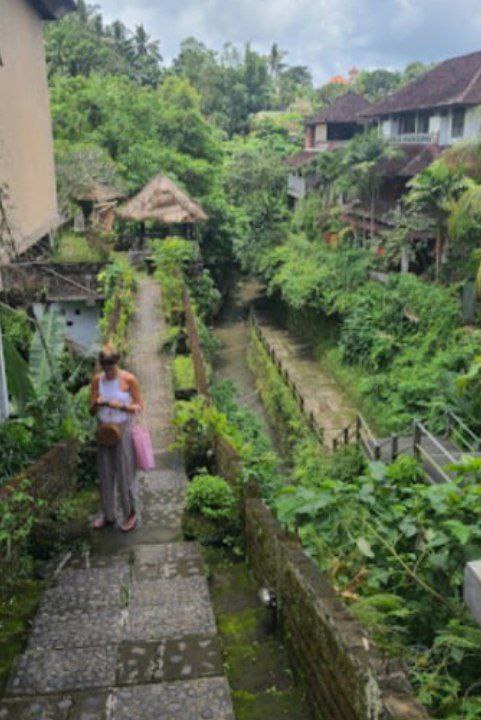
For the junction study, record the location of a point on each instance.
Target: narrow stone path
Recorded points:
(127, 632)
(322, 395)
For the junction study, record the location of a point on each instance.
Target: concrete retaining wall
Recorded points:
(347, 677)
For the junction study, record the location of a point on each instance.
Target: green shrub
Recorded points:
(405, 469)
(184, 375)
(211, 496)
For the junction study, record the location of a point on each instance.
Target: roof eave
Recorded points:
(455, 102)
(53, 9)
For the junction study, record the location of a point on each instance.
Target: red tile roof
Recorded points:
(453, 82)
(304, 157)
(345, 109)
(410, 160)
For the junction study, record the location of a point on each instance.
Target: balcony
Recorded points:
(415, 138)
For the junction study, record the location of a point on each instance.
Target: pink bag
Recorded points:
(144, 455)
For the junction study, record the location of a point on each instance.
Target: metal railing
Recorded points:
(435, 466)
(461, 434)
(360, 432)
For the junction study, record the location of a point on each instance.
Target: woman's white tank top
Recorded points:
(110, 390)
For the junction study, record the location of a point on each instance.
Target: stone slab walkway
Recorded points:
(127, 632)
(322, 395)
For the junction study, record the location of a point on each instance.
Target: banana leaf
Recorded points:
(18, 379)
(46, 350)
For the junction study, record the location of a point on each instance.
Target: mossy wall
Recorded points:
(348, 679)
(53, 475)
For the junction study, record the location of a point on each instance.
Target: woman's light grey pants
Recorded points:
(117, 468)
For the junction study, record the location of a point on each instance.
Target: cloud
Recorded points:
(329, 36)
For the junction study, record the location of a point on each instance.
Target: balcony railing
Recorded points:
(415, 138)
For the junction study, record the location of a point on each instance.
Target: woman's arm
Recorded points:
(138, 403)
(94, 396)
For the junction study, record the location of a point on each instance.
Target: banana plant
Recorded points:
(46, 350)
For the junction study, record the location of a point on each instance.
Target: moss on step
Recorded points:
(245, 626)
(258, 666)
(256, 662)
(17, 608)
(271, 704)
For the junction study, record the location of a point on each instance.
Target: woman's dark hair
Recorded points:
(108, 355)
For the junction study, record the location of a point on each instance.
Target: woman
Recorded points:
(115, 398)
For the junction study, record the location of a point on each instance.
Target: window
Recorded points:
(407, 124)
(423, 122)
(457, 125)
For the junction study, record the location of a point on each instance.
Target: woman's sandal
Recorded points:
(101, 522)
(129, 524)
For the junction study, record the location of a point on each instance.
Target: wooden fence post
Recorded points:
(358, 430)
(201, 378)
(417, 437)
(394, 447)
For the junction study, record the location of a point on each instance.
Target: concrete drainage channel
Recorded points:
(345, 676)
(257, 664)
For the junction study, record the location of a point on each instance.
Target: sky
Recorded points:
(329, 36)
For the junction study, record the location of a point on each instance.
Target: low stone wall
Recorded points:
(52, 476)
(347, 677)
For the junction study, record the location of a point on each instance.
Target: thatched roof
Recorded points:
(162, 201)
(99, 193)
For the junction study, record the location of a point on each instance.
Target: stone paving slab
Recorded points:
(159, 621)
(167, 561)
(88, 590)
(182, 658)
(79, 628)
(206, 699)
(51, 671)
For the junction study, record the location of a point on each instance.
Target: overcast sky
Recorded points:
(329, 36)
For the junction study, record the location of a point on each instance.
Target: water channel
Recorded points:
(262, 680)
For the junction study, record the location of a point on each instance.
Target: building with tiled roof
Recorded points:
(329, 129)
(442, 106)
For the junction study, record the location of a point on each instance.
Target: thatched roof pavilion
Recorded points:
(162, 201)
(98, 192)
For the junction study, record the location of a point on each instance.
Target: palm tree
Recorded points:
(434, 192)
(276, 56)
(464, 226)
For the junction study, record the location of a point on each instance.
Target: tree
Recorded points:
(375, 83)
(256, 184)
(434, 191)
(275, 60)
(144, 131)
(363, 173)
(464, 225)
(80, 44)
(78, 167)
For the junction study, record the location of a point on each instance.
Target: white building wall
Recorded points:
(26, 145)
(472, 124)
(81, 321)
